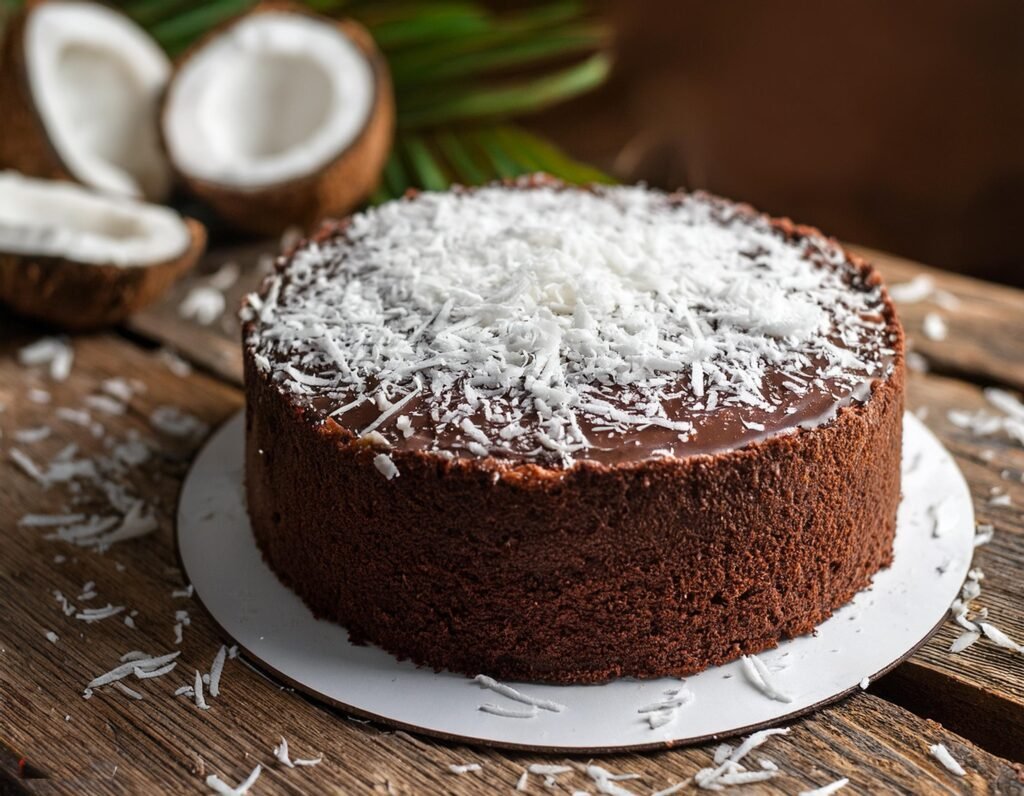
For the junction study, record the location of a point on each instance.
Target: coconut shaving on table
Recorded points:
(541, 322)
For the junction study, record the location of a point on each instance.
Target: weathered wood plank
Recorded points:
(213, 346)
(111, 744)
(980, 690)
(985, 339)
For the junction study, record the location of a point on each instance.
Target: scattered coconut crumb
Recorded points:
(964, 640)
(281, 753)
(197, 690)
(508, 691)
(607, 782)
(759, 676)
(941, 753)
(999, 638)
(465, 768)
(91, 615)
(508, 713)
(216, 669)
(827, 790)
(51, 637)
(49, 520)
(934, 327)
(917, 289)
(176, 422)
(204, 304)
(385, 465)
(217, 785)
(53, 351)
(671, 790)
(728, 768)
(183, 593)
(29, 436)
(983, 534)
(131, 693)
(105, 404)
(1001, 499)
(865, 683)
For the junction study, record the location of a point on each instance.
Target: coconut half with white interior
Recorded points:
(83, 259)
(280, 118)
(80, 87)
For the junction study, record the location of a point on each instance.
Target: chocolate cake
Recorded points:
(558, 434)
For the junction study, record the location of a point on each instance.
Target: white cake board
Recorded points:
(879, 629)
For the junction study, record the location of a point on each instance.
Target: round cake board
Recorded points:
(881, 627)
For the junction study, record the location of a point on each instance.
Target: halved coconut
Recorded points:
(280, 118)
(80, 86)
(81, 259)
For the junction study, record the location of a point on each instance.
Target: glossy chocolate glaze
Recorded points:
(729, 425)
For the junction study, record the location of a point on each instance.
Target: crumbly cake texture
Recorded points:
(566, 435)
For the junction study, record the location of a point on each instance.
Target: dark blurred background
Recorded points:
(898, 125)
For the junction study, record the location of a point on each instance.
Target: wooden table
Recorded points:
(54, 741)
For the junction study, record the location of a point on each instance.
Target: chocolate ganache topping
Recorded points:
(553, 325)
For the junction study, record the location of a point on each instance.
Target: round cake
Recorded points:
(566, 434)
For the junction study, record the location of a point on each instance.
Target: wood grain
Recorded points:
(111, 744)
(986, 324)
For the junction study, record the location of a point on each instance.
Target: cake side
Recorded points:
(584, 567)
(656, 570)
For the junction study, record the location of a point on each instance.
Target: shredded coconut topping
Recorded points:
(538, 322)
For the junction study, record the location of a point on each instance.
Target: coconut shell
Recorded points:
(332, 191)
(83, 296)
(24, 144)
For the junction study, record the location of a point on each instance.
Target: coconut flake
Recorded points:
(917, 289)
(203, 304)
(385, 466)
(508, 713)
(49, 520)
(934, 327)
(964, 640)
(96, 614)
(51, 637)
(197, 689)
(128, 667)
(606, 782)
(29, 436)
(941, 753)
(176, 422)
(216, 669)
(217, 785)
(827, 790)
(131, 693)
(759, 676)
(999, 638)
(983, 534)
(508, 691)
(464, 768)
(53, 351)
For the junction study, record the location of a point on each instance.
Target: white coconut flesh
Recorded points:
(96, 81)
(275, 97)
(60, 219)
